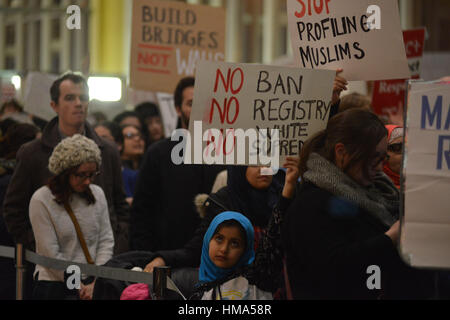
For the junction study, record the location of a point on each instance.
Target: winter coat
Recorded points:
(32, 173)
(330, 244)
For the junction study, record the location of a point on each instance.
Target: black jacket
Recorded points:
(329, 245)
(163, 215)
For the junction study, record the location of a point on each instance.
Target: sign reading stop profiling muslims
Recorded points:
(333, 34)
(425, 236)
(169, 38)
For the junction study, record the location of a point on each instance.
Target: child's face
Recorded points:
(226, 247)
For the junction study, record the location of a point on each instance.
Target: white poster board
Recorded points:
(37, 95)
(169, 115)
(333, 34)
(234, 98)
(425, 234)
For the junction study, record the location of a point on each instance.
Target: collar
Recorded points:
(52, 135)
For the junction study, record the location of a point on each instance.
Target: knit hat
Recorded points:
(72, 152)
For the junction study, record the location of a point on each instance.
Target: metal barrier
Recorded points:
(20, 255)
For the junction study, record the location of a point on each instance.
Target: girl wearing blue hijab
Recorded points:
(241, 244)
(227, 257)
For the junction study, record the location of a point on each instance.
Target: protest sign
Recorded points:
(389, 95)
(169, 115)
(37, 95)
(169, 38)
(236, 102)
(362, 38)
(425, 233)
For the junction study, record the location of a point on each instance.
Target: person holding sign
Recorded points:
(344, 220)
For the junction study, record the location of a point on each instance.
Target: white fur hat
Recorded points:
(72, 152)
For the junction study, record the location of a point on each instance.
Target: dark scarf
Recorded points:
(380, 199)
(257, 205)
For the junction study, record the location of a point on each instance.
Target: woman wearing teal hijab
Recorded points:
(228, 269)
(209, 271)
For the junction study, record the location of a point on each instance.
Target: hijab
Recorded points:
(393, 134)
(208, 270)
(257, 205)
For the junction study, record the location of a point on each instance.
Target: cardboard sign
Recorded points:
(333, 34)
(169, 38)
(425, 233)
(389, 95)
(37, 95)
(230, 99)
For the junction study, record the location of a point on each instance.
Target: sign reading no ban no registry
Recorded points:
(169, 38)
(294, 101)
(332, 34)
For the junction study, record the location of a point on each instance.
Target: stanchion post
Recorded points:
(20, 271)
(160, 275)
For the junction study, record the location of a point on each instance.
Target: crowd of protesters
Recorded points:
(109, 194)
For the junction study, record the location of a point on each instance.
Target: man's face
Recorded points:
(184, 112)
(72, 104)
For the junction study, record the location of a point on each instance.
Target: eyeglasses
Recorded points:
(395, 147)
(130, 135)
(84, 176)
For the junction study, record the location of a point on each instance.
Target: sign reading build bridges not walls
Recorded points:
(168, 40)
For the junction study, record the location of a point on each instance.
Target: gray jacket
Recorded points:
(32, 172)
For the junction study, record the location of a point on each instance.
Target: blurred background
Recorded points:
(34, 38)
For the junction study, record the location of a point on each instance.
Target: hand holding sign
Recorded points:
(339, 85)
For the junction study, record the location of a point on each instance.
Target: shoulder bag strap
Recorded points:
(79, 233)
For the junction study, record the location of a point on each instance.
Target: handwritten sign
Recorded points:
(169, 38)
(293, 102)
(332, 34)
(425, 236)
(389, 95)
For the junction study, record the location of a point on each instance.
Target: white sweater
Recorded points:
(55, 233)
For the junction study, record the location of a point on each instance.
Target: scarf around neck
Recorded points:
(380, 199)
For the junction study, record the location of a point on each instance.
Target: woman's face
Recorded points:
(103, 132)
(81, 179)
(256, 180)
(394, 151)
(375, 165)
(133, 142)
(155, 128)
(226, 247)
(131, 121)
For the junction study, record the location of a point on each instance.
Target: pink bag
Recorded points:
(139, 291)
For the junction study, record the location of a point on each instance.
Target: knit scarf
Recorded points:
(380, 199)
